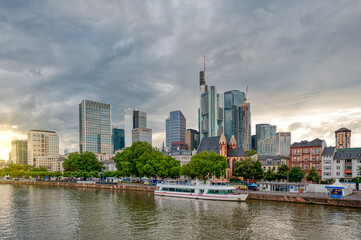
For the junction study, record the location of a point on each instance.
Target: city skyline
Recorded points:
(299, 60)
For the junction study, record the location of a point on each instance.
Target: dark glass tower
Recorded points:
(118, 139)
(175, 128)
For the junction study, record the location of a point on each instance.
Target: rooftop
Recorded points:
(343, 130)
(314, 142)
(328, 151)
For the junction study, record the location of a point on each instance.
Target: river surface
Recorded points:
(46, 212)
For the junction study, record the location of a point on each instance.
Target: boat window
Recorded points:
(165, 189)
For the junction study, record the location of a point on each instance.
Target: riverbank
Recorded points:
(268, 196)
(129, 187)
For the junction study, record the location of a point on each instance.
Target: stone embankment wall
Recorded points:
(305, 199)
(85, 185)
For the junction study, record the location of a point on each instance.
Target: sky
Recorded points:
(299, 59)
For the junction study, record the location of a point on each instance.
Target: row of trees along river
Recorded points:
(142, 160)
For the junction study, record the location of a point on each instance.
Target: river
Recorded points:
(45, 212)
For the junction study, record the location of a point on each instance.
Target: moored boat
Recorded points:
(210, 191)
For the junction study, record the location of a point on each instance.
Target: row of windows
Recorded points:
(313, 150)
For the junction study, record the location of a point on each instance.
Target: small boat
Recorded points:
(209, 191)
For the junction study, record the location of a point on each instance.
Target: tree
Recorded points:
(86, 161)
(283, 171)
(251, 152)
(269, 175)
(248, 169)
(296, 174)
(313, 175)
(168, 167)
(205, 165)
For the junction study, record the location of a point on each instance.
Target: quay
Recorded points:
(353, 200)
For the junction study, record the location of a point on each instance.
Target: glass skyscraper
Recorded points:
(117, 139)
(95, 134)
(133, 118)
(266, 139)
(237, 119)
(19, 152)
(175, 128)
(210, 113)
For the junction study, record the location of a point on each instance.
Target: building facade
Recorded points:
(343, 138)
(42, 143)
(95, 134)
(118, 141)
(273, 162)
(210, 113)
(266, 139)
(175, 129)
(283, 143)
(307, 154)
(192, 139)
(237, 118)
(19, 152)
(328, 165)
(184, 156)
(228, 150)
(142, 135)
(133, 118)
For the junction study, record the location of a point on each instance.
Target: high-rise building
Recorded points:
(254, 142)
(42, 144)
(133, 118)
(283, 143)
(237, 118)
(210, 113)
(343, 138)
(192, 139)
(19, 152)
(117, 139)
(95, 132)
(142, 135)
(175, 128)
(266, 139)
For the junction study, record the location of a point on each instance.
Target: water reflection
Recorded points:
(36, 212)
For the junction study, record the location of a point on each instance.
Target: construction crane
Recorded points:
(245, 119)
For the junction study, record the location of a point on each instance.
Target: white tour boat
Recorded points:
(210, 191)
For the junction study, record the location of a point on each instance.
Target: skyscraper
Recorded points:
(117, 139)
(210, 113)
(283, 143)
(192, 139)
(19, 152)
(133, 118)
(95, 132)
(142, 135)
(175, 128)
(266, 139)
(237, 119)
(42, 144)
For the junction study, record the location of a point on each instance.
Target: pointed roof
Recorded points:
(223, 139)
(343, 130)
(233, 141)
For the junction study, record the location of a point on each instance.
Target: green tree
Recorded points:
(296, 174)
(248, 169)
(168, 167)
(313, 175)
(205, 165)
(86, 161)
(269, 175)
(251, 152)
(283, 171)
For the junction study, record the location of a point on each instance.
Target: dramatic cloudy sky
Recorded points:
(301, 61)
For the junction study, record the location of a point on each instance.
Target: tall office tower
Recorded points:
(117, 139)
(42, 144)
(133, 118)
(175, 128)
(142, 135)
(237, 119)
(210, 113)
(266, 139)
(254, 142)
(343, 138)
(192, 139)
(19, 152)
(283, 143)
(95, 133)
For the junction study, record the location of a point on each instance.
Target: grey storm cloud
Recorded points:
(294, 56)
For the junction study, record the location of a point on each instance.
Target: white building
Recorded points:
(104, 156)
(42, 143)
(109, 165)
(341, 163)
(142, 135)
(184, 156)
(283, 143)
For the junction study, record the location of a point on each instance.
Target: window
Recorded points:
(306, 158)
(317, 167)
(294, 159)
(338, 161)
(294, 151)
(327, 168)
(313, 158)
(306, 150)
(317, 150)
(327, 162)
(338, 167)
(338, 174)
(306, 166)
(313, 150)
(317, 158)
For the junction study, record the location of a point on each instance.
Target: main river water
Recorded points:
(38, 212)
